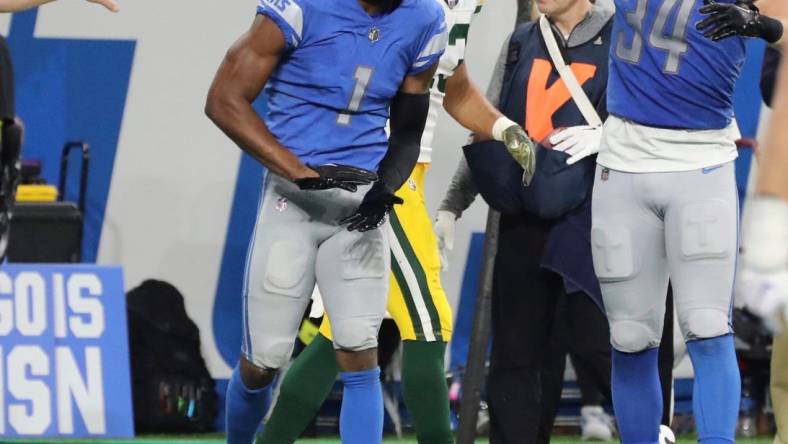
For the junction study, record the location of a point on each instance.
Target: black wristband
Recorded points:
(772, 29)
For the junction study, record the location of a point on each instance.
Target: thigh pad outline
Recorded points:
(286, 268)
(613, 253)
(704, 231)
(365, 257)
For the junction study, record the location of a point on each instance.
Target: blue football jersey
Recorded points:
(664, 73)
(329, 97)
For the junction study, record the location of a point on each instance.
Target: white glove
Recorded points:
(577, 141)
(762, 284)
(765, 295)
(445, 222)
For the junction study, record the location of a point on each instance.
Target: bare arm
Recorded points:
(467, 105)
(23, 5)
(239, 80)
(773, 173)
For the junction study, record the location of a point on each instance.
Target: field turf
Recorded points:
(216, 439)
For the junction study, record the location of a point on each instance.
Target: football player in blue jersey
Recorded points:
(665, 208)
(333, 73)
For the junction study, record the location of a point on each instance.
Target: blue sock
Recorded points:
(361, 418)
(717, 390)
(245, 409)
(637, 396)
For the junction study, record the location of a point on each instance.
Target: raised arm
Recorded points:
(23, 5)
(239, 80)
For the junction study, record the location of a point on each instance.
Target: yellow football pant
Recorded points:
(417, 301)
(779, 386)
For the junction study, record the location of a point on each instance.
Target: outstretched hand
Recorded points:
(737, 19)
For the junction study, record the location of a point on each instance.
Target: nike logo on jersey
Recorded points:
(708, 170)
(598, 41)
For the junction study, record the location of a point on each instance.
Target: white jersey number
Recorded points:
(675, 44)
(363, 75)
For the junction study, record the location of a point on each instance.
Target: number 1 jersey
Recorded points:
(328, 100)
(664, 73)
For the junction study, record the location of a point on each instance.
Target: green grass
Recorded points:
(218, 439)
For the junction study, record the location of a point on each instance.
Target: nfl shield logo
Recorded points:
(374, 34)
(281, 204)
(452, 3)
(605, 174)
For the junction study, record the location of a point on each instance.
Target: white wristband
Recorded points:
(501, 125)
(765, 239)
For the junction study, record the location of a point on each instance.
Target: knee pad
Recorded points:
(705, 230)
(633, 336)
(355, 334)
(704, 323)
(612, 250)
(270, 353)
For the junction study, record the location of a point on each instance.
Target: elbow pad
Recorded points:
(408, 116)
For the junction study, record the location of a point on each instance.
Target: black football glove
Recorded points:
(336, 176)
(741, 19)
(372, 212)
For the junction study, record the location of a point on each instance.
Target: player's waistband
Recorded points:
(327, 206)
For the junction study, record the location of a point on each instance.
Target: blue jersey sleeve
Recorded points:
(288, 15)
(431, 45)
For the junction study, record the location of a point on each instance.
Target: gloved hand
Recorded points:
(445, 222)
(762, 282)
(741, 18)
(577, 141)
(372, 212)
(521, 148)
(336, 176)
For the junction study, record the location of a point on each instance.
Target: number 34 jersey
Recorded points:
(664, 73)
(328, 100)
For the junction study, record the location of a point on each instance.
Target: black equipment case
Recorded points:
(51, 232)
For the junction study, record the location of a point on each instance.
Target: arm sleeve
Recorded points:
(408, 117)
(432, 45)
(462, 191)
(289, 16)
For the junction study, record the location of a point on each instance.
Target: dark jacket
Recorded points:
(534, 103)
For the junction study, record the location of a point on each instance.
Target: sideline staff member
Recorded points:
(538, 260)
